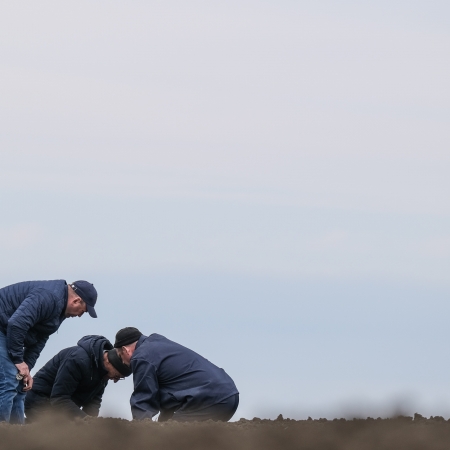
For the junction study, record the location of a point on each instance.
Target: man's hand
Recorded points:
(24, 372)
(27, 383)
(23, 369)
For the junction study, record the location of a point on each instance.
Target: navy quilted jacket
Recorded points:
(170, 377)
(29, 313)
(74, 378)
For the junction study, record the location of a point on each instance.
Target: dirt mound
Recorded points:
(400, 433)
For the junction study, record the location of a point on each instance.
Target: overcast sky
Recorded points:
(264, 182)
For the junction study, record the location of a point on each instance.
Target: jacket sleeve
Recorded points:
(70, 374)
(32, 353)
(145, 398)
(93, 407)
(36, 307)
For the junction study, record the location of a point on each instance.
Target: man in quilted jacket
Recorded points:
(174, 381)
(29, 313)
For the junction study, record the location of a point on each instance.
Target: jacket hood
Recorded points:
(94, 346)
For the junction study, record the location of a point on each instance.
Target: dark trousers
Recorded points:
(35, 405)
(222, 412)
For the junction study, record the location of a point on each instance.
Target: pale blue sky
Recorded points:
(265, 182)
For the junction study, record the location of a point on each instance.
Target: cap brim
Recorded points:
(91, 311)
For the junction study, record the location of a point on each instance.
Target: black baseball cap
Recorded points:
(117, 363)
(87, 293)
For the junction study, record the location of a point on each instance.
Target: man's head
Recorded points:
(126, 340)
(114, 366)
(82, 297)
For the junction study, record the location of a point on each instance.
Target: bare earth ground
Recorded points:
(117, 434)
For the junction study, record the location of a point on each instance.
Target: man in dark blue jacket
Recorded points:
(174, 380)
(75, 378)
(29, 313)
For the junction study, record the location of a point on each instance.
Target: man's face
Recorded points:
(75, 307)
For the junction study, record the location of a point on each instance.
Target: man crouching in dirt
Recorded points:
(75, 378)
(173, 380)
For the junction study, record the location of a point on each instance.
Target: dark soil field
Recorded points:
(412, 433)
